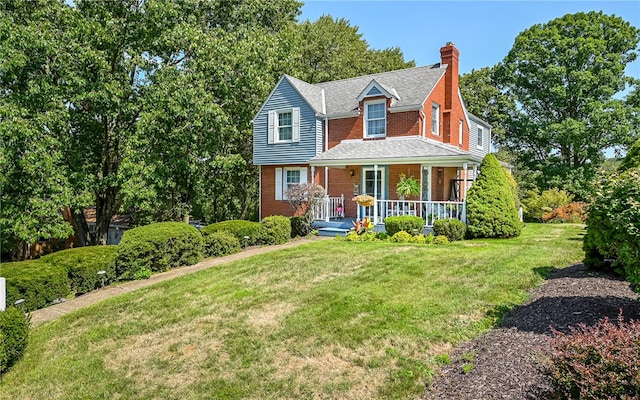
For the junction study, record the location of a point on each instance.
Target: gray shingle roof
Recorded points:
(313, 94)
(401, 148)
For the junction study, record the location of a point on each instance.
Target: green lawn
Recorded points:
(325, 320)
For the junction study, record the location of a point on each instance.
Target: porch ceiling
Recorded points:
(402, 150)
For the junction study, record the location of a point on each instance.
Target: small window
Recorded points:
(435, 119)
(460, 132)
(375, 119)
(293, 178)
(480, 134)
(285, 126)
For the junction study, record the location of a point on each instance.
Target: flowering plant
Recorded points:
(364, 199)
(363, 226)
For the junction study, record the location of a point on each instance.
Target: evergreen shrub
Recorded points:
(401, 237)
(220, 243)
(536, 205)
(37, 282)
(441, 239)
(156, 248)
(596, 362)
(82, 265)
(276, 229)
(14, 336)
(237, 227)
(491, 205)
(408, 223)
(299, 226)
(453, 229)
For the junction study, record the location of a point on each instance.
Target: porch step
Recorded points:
(332, 231)
(339, 223)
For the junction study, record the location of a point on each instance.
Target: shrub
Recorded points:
(441, 239)
(407, 223)
(158, 247)
(421, 239)
(429, 238)
(613, 226)
(491, 205)
(14, 336)
(82, 265)
(451, 228)
(382, 236)
(37, 282)
(237, 227)
(599, 362)
(220, 243)
(276, 229)
(536, 205)
(401, 237)
(299, 226)
(573, 213)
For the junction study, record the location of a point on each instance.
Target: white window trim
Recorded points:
(366, 118)
(460, 133)
(480, 138)
(273, 128)
(281, 180)
(437, 122)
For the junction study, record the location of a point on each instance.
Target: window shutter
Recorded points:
(295, 116)
(303, 175)
(272, 127)
(278, 183)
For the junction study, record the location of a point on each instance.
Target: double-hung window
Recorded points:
(293, 178)
(480, 134)
(288, 177)
(435, 119)
(375, 118)
(284, 125)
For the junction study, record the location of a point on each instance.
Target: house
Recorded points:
(358, 135)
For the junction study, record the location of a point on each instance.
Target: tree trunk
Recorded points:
(105, 209)
(80, 227)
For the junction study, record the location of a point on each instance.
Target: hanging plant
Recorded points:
(407, 186)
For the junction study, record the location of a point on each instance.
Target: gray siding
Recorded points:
(285, 96)
(473, 138)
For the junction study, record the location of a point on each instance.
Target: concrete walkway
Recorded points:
(50, 313)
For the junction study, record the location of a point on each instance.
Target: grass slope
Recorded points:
(325, 320)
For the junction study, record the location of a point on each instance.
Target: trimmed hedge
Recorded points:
(408, 223)
(220, 243)
(451, 228)
(156, 248)
(238, 228)
(82, 265)
(491, 204)
(14, 336)
(299, 226)
(276, 229)
(37, 282)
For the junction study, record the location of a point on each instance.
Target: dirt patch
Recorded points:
(506, 363)
(269, 315)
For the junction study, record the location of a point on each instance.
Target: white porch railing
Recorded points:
(430, 211)
(331, 207)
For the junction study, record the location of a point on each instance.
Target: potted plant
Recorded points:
(364, 200)
(407, 187)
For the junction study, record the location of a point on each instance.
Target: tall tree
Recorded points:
(332, 49)
(564, 76)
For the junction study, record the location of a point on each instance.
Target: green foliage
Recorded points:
(37, 282)
(14, 336)
(331, 49)
(613, 225)
(596, 362)
(491, 206)
(275, 229)
(238, 228)
(401, 237)
(299, 226)
(632, 159)
(158, 247)
(82, 265)
(407, 186)
(453, 229)
(407, 223)
(441, 239)
(564, 76)
(220, 243)
(537, 204)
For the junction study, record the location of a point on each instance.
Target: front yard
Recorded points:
(326, 320)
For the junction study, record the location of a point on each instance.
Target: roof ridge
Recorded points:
(431, 66)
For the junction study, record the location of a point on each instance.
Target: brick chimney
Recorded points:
(449, 55)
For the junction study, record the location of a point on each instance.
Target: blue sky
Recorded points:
(483, 31)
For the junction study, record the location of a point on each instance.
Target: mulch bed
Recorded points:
(506, 362)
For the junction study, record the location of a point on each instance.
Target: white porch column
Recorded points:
(375, 194)
(429, 183)
(326, 179)
(463, 187)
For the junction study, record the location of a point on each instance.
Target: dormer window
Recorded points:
(435, 119)
(375, 117)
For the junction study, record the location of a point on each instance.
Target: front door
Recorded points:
(374, 184)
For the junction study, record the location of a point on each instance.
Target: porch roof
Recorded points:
(400, 150)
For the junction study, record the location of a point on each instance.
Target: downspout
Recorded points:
(326, 147)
